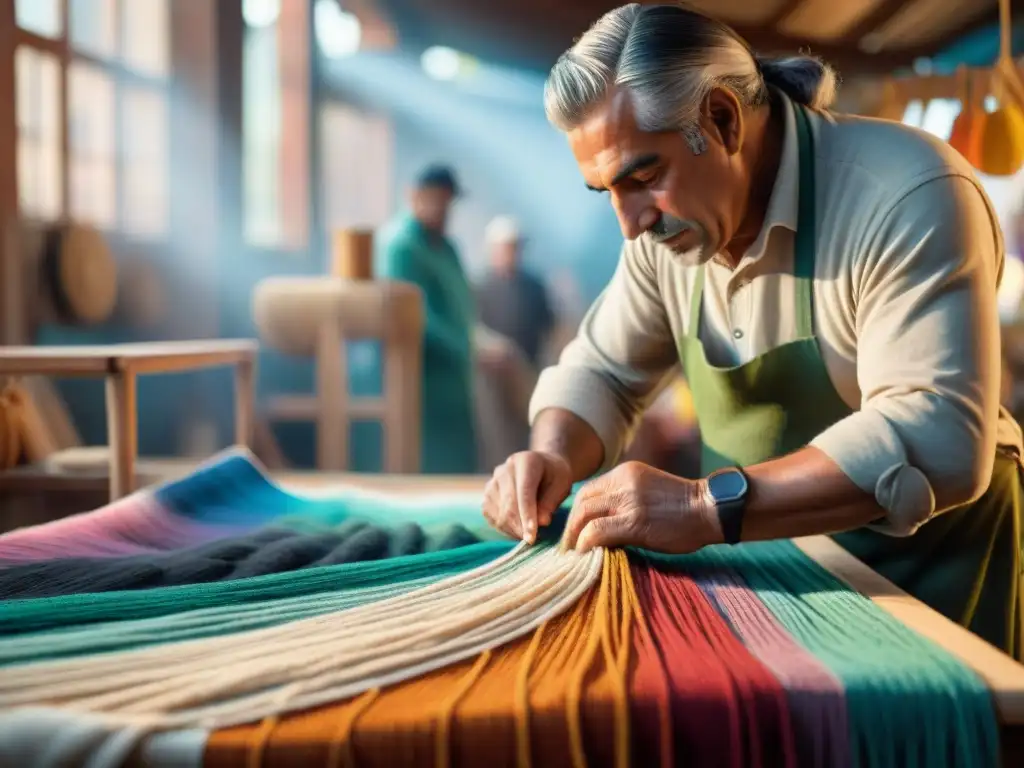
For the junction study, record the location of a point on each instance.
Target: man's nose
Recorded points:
(636, 214)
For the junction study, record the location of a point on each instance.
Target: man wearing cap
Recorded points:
(416, 250)
(512, 301)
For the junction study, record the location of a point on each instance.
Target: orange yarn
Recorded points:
(551, 699)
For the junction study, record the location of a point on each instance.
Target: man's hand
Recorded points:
(496, 359)
(637, 505)
(524, 492)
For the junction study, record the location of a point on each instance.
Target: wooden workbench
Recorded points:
(119, 365)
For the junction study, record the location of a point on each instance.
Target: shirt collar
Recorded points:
(784, 201)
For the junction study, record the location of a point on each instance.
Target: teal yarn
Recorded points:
(115, 635)
(55, 612)
(235, 491)
(880, 663)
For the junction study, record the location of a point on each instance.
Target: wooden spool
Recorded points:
(315, 317)
(352, 254)
(79, 274)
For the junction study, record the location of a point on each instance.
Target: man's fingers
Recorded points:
(605, 532)
(552, 494)
(528, 474)
(584, 512)
(491, 506)
(509, 514)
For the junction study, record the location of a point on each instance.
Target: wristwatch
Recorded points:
(728, 490)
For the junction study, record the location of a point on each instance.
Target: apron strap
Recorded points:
(806, 223)
(696, 299)
(805, 245)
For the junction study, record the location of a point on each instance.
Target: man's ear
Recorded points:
(722, 119)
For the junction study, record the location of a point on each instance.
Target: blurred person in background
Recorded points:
(513, 302)
(416, 249)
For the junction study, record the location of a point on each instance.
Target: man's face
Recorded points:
(505, 257)
(430, 206)
(692, 203)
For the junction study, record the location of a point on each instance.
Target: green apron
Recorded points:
(965, 563)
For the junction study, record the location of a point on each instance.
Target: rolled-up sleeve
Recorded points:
(928, 361)
(622, 354)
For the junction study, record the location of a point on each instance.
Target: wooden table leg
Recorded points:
(245, 402)
(331, 395)
(122, 432)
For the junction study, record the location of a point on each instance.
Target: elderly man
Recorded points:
(512, 301)
(828, 285)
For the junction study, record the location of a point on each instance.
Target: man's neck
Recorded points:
(432, 231)
(763, 152)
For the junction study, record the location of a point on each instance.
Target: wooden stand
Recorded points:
(317, 317)
(120, 364)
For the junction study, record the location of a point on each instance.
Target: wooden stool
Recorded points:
(318, 316)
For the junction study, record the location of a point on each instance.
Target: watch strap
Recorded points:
(730, 518)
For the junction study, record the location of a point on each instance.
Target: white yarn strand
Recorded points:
(222, 681)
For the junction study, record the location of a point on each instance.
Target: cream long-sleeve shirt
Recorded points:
(909, 257)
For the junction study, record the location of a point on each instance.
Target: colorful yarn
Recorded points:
(266, 551)
(231, 496)
(492, 653)
(723, 705)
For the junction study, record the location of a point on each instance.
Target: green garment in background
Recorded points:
(411, 253)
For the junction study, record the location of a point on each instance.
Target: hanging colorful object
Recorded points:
(969, 125)
(1002, 132)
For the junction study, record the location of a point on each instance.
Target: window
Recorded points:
(37, 108)
(41, 17)
(144, 132)
(92, 171)
(275, 144)
(93, 112)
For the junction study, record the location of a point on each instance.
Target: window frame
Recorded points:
(121, 77)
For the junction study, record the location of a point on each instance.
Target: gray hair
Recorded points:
(670, 58)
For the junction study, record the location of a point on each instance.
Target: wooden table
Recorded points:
(1003, 675)
(120, 364)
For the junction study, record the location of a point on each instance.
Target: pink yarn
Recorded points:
(135, 525)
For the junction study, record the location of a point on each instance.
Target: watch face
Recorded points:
(727, 486)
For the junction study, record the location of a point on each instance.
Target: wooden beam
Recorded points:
(539, 35)
(784, 11)
(533, 33)
(875, 19)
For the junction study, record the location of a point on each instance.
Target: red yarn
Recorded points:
(727, 708)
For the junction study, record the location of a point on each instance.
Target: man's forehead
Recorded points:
(612, 122)
(610, 137)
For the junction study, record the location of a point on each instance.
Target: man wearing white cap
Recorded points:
(511, 301)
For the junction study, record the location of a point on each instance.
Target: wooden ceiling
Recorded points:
(858, 36)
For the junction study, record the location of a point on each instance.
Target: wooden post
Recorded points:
(122, 431)
(245, 402)
(331, 396)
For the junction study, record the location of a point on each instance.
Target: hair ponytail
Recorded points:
(805, 79)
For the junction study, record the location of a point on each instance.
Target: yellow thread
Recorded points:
(664, 712)
(444, 717)
(521, 704)
(574, 693)
(254, 758)
(340, 748)
(620, 665)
